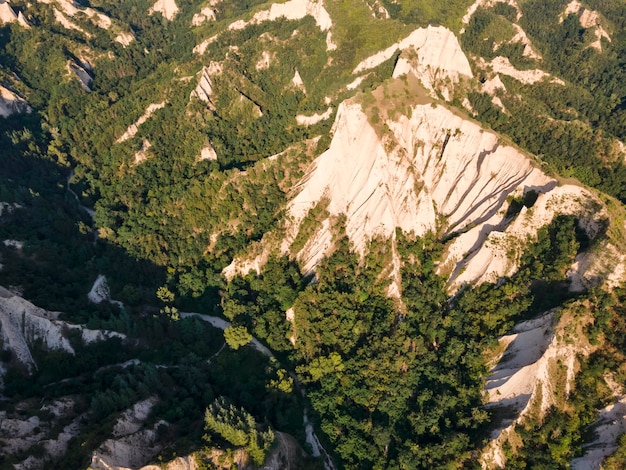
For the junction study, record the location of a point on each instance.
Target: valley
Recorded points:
(312, 234)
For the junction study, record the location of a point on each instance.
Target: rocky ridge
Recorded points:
(589, 19)
(433, 54)
(8, 15)
(424, 166)
(134, 128)
(22, 324)
(167, 8)
(291, 10)
(536, 369)
(11, 103)
(431, 170)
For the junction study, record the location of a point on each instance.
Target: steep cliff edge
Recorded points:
(426, 168)
(536, 369)
(432, 54)
(238, 162)
(11, 103)
(22, 324)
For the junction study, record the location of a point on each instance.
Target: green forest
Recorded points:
(570, 126)
(385, 382)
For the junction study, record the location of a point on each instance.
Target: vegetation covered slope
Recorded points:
(186, 137)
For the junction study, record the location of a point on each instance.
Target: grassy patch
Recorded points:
(424, 12)
(358, 34)
(395, 97)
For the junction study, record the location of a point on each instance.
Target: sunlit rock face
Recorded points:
(22, 324)
(430, 171)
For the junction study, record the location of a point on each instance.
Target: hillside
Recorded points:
(312, 234)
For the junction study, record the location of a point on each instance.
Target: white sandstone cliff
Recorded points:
(503, 66)
(535, 370)
(291, 10)
(204, 89)
(433, 54)
(589, 19)
(132, 130)
(432, 171)
(428, 169)
(488, 4)
(205, 14)
(167, 8)
(22, 324)
(8, 15)
(11, 103)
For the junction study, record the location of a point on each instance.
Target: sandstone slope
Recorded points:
(291, 10)
(22, 324)
(536, 369)
(433, 54)
(8, 15)
(425, 167)
(11, 103)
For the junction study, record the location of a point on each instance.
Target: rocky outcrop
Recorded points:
(206, 14)
(589, 19)
(522, 38)
(291, 10)
(19, 434)
(433, 54)
(167, 8)
(207, 153)
(66, 9)
(496, 255)
(8, 207)
(80, 71)
(428, 169)
(503, 66)
(265, 60)
(179, 463)
(8, 15)
(100, 292)
(68, 24)
(134, 128)
(488, 4)
(22, 324)
(201, 48)
(286, 454)
(535, 370)
(520, 35)
(133, 418)
(492, 87)
(297, 81)
(130, 451)
(378, 9)
(124, 39)
(523, 373)
(608, 427)
(131, 445)
(142, 155)
(69, 8)
(604, 264)
(304, 120)
(204, 89)
(11, 103)
(431, 171)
